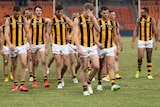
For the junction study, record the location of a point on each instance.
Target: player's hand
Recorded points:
(100, 46)
(11, 47)
(30, 48)
(90, 14)
(118, 50)
(156, 45)
(68, 38)
(132, 45)
(80, 52)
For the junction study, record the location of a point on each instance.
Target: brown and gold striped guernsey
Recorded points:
(145, 28)
(85, 35)
(37, 30)
(59, 31)
(16, 30)
(3, 38)
(105, 37)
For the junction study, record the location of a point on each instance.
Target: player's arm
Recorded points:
(75, 30)
(135, 33)
(95, 34)
(69, 36)
(68, 20)
(49, 30)
(27, 32)
(155, 32)
(158, 29)
(115, 38)
(119, 35)
(94, 21)
(7, 33)
(47, 21)
(1, 35)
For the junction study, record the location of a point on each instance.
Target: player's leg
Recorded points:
(65, 60)
(58, 70)
(72, 66)
(56, 53)
(84, 66)
(101, 61)
(149, 62)
(38, 57)
(78, 64)
(110, 64)
(116, 67)
(95, 67)
(15, 76)
(141, 48)
(44, 68)
(139, 61)
(34, 66)
(50, 61)
(5, 66)
(29, 63)
(23, 63)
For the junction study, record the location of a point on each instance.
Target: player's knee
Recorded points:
(84, 68)
(58, 63)
(23, 65)
(96, 67)
(110, 66)
(43, 62)
(5, 62)
(65, 63)
(14, 66)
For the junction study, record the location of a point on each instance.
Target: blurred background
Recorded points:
(126, 10)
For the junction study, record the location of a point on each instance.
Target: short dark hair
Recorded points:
(102, 8)
(145, 9)
(88, 6)
(16, 8)
(75, 11)
(110, 11)
(37, 7)
(58, 7)
(29, 8)
(7, 16)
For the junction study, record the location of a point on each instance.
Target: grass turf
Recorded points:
(133, 93)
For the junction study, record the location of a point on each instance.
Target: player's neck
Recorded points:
(105, 19)
(37, 17)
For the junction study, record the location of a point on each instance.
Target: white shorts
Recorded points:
(88, 51)
(27, 46)
(59, 49)
(145, 44)
(107, 52)
(72, 48)
(6, 50)
(18, 50)
(36, 48)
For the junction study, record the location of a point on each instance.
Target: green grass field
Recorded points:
(133, 93)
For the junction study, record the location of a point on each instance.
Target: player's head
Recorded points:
(16, 11)
(38, 11)
(75, 13)
(59, 10)
(104, 12)
(144, 12)
(6, 16)
(30, 12)
(88, 7)
(26, 13)
(112, 14)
